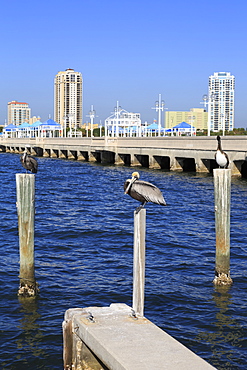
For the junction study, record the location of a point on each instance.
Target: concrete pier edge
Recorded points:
(182, 153)
(124, 341)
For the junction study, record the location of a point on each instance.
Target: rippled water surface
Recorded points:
(83, 257)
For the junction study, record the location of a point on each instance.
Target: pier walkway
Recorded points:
(113, 338)
(171, 153)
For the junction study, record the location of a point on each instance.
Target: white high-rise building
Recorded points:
(18, 113)
(68, 98)
(221, 101)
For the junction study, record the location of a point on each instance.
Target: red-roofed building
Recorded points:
(18, 113)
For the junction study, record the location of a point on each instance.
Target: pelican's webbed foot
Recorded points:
(140, 207)
(137, 210)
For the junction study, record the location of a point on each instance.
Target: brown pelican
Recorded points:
(143, 191)
(221, 157)
(28, 162)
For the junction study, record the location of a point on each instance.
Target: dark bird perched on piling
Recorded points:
(143, 191)
(29, 162)
(221, 157)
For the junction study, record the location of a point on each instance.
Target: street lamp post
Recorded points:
(159, 107)
(64, 126)
(223, 123)
(70, 116)
(75, 128)
(117, 110)
(191, 123)
(207, 100)
(92, 114)
(100, 129)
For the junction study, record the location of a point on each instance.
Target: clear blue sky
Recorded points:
(130, 51)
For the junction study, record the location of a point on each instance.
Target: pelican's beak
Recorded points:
(130, 183)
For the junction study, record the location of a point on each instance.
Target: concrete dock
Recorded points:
(115, 338)
(182, 153)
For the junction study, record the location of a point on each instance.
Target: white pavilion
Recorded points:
(123, 123)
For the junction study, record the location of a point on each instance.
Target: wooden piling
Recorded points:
(139, 261)
(222, 195)
(25, 189)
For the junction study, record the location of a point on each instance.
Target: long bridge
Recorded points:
(173, 153)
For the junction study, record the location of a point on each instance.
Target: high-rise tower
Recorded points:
(68, 98)
(221, 101)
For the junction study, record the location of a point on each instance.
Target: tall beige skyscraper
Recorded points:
(18, 112)
(68, 98)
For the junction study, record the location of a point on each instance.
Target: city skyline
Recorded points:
(127, 52)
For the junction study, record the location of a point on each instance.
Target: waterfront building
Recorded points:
(221, 89)
(123, 123)
(34, 119)
(18, 112)
(45, 129)
(197, 117)
(68, 98)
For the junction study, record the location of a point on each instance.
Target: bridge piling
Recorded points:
(201, 165)
(63, 153)
(134, 162)
(153, 163)
(92, 156)
(82, 156)
(54, 153)
(46, 152)
(119, 160)
(175, 164)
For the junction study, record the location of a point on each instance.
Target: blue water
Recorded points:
(83, 257)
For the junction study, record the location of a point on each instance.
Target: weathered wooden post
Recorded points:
(139, 261)
(222, 195)
(25, 189)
